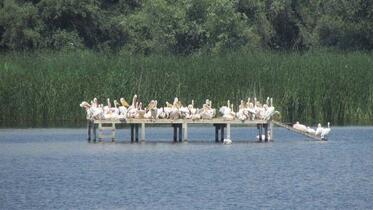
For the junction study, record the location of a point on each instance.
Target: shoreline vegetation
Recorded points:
(44, 88)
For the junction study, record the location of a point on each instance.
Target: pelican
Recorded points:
(269, 112)
(124, 103)
(224, 109)
(227, 111)
(108, 103)
(84, 104)
(123, 109)
(161, 113)
(300, 127)
(310, 130)
(206, 112)
(95, 103)
(248, 102)
(325, 132)
(134, 100)
(184, 111)
(227, 141)
(251, 111)
(318, 130)
(115, 109)
(242, 113)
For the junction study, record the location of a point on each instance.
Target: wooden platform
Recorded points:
(181, 121)
(181, 124)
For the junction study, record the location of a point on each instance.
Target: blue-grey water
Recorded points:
(58, 169)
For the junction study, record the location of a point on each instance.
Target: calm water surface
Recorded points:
(58, 169)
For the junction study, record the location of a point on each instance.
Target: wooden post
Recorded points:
(228, 131)
(113, 132)
(100, 132)
(216, 133)
(142, 132)
(185, 125)
(175, 132)
(270, 130)
(132, 133)
(137, 133)
(265, 132)
(94, 132)
(259, 126)
(222, 132)
(180, 132)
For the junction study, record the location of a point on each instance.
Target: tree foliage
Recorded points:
(185, 26)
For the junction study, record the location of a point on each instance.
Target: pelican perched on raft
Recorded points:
(300, 127)
(325, 132)
(318, 130)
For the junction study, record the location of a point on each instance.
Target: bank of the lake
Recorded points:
(43, 87)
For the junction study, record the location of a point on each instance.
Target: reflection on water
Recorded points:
(57, 168)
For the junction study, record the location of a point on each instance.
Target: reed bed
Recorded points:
(45, 88)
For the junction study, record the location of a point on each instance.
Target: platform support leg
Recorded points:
(265, 132)
(228, 131)
(132, 133)
(113, 132)
(259, 126)
(270, 131)
(175, 132)
(222, 132)
(142, 132)
(185, 128)
(100, 132)
(217, 132)
(137, 133)
(94, 132)
(180, 132)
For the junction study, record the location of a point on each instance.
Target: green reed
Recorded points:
(45, 88)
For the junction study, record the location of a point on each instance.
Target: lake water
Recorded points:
(58, 169)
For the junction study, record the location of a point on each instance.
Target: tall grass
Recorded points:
(40, 89)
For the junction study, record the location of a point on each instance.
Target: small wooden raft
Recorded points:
(280, 124)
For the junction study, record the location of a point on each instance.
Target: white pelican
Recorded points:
(95, 103)
(300, 127)
(269, 112)
(85, 104)
(115, 109)
(310, 130)
(227, 141)
(251, 111)
(206, 112)
(242, 113)
(325, 132)
(227, 112)
(318, 130)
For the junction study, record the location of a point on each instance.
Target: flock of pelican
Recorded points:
(320, 131)
(247, 110)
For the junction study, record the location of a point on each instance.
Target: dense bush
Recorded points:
(186, 26)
